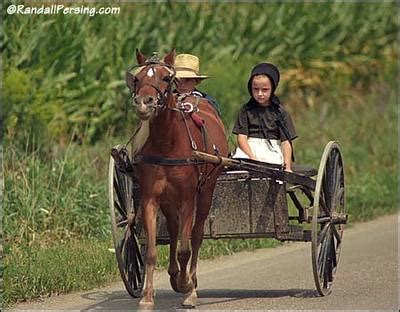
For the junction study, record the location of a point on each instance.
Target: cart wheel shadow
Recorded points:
(231, 295)
(168, 300)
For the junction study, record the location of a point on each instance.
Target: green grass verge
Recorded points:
(32, 272)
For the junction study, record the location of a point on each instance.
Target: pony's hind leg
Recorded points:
(150, 226)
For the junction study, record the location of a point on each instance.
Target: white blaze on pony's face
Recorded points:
(150, 72)
(151, 84)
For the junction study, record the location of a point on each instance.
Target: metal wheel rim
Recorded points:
(130, 239)
(330, 230)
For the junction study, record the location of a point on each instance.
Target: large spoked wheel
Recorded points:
(130, 253)
(329, 218)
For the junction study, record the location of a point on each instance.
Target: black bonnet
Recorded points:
(265, 69)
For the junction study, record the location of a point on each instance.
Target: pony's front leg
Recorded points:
(203, 207)
(173, 231)
(150, 208)
(184, 281)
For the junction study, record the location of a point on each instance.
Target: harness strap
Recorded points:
(192, 142)
(162, 161)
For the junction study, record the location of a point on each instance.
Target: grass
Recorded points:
(35, 271)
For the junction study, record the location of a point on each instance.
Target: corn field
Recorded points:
(64, 74)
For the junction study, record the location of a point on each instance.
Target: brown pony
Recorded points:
(170, 179)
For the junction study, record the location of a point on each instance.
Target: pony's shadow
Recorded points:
(168, 300)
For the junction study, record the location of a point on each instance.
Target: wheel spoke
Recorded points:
(335, 160)
(128, 264)
(137, 263)
(334, 255)
(120, 246)
(120, 210)
(336, 235)
(120, 196)
(322, 233)
(124, 185)
(337, 175)
(323, 205)
(138, 252)
(322, 256)
(327, 259)
(331, 259)
(122, 223)
(338, 200)
(326, 193)
(123, 241)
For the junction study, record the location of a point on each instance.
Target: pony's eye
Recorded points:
(167, 78)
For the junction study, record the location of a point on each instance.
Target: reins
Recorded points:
(182, 107)
(185, 109)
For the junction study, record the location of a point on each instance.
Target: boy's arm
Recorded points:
(287, 155)
(244, 146)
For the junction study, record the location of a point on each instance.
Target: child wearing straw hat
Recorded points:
(187, 67)
(264, 130)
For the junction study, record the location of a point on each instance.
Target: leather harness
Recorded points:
(186, 109)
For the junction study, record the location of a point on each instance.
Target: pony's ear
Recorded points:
(130, 81)
(170, 57)
(141, 59)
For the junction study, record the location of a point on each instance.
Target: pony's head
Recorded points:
(151, 84)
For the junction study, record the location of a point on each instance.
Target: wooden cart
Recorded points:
(250, 201)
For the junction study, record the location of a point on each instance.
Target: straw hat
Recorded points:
(188, 66)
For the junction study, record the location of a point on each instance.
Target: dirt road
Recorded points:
(272, 279)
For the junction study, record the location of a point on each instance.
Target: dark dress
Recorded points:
(270, 122)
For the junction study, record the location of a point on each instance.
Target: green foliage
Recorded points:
(51, 198)
(65, 73)
(34, 271)
(365, 127)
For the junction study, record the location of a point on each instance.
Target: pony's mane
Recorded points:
(141, 137)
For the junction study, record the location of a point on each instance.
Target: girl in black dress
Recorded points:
(264, 129)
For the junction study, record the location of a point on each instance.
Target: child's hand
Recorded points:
(253, 157)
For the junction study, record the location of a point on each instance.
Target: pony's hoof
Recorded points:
(185, 288)
(173, 282)
(190, 300)
(185, 284)
(145, 303)
(147, 300)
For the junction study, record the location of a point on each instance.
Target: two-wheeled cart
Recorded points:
(250, 200)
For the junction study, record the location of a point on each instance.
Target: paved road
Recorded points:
(272, 279)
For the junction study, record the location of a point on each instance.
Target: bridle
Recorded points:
(161, 99)
(184, 108)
